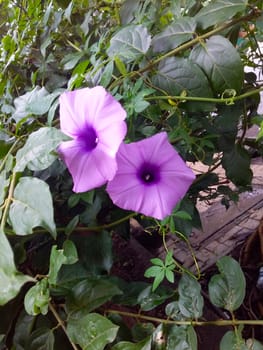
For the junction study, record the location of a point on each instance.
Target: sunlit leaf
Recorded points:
(130, 43)
(31, 207)
(10, 279)
(218, 11)
(91, 331)
(35, 102)
(174, 35)
(36, 153)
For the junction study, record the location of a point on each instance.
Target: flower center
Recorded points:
(149, 174)
(88, 138)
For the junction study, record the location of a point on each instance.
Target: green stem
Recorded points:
(2, 165)
(8, 201)
(61, 324)
(89, 229)
(206, 99)
(188, 323)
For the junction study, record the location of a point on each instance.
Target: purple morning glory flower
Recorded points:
(95, 122)
(151, 177)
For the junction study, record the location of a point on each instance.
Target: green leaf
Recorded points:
(149, 299)
(190, 300)
(181, 338)
(70, 252)
(178, 75)
(31, 207)
(125, 345)
(153, 271)
(91, 293)
(41, 339)
(91, 331)
(219, 59)
(107, 74)
(130, 43)
(175, 34)
(169, 275)
(58, 257)
(157, 261)
(36, 153)
(95, 252)
(10, 279)
(23, 328)
(37, 298)
(71, 60)
(3, 185)
(233, 341)
(35, 102)
(253, 344)
(227, 289)
(219, 11)
(236, 163)
(172, 310)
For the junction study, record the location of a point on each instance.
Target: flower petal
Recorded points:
(88, 106)
(156, 199)
(88, 169)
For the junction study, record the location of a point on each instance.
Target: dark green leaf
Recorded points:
(41, 339)
(130, 43)
(180, 75)
(91, 293)
(31, 207)
(91, 331)
(95, 252)
(36, 153)
(219, 59)
(236, 162)
(219, 11)
(175, 34)
(149, 299)
(125, 345)
(227, 289)
(23, 329)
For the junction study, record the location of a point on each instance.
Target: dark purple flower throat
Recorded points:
(88, 138)
(149, 173)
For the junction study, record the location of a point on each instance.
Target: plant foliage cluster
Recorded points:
(174, 66)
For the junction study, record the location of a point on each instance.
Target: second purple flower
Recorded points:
(151, 177)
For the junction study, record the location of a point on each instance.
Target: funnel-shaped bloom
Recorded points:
(95, 122)
(151, 177)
